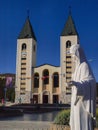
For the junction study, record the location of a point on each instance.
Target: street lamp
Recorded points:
(5, 89)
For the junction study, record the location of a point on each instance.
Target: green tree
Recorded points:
(10, 93)
(2, 86)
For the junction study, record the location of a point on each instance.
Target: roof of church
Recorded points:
(27, 31)
(69, 28)
(46, 64)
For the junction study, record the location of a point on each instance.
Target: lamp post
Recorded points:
(5, 89)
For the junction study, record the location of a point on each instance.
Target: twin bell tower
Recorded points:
(26, 67)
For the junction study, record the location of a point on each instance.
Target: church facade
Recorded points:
(45, 83)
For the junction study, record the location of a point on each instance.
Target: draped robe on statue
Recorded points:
(83, 100)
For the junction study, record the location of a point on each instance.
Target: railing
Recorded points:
(52, 128)
(57, 128)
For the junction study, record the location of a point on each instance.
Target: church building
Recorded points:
(45, 83)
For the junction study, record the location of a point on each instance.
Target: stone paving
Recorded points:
(30, 125)
(24, 125)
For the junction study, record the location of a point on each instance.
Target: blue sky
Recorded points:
(48, 18)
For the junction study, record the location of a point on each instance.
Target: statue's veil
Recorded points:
(79, 53)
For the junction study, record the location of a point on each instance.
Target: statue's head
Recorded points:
(77, 54)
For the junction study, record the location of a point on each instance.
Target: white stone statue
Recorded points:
(83, 100)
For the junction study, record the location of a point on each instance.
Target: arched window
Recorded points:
(55, 80)
(68, 44)
(46, 77)
(24, 46)
(36, 80)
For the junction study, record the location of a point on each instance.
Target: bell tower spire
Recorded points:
(69, 28)
(27, 30)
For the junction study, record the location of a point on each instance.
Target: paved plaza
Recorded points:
(24, 125)
(29, 125)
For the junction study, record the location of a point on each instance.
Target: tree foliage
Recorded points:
(10, 92)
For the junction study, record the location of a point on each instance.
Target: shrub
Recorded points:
(97, 117)
(62, 117)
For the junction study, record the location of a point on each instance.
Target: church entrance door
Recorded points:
(45, 98)
(35, 99)
(55, 98)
